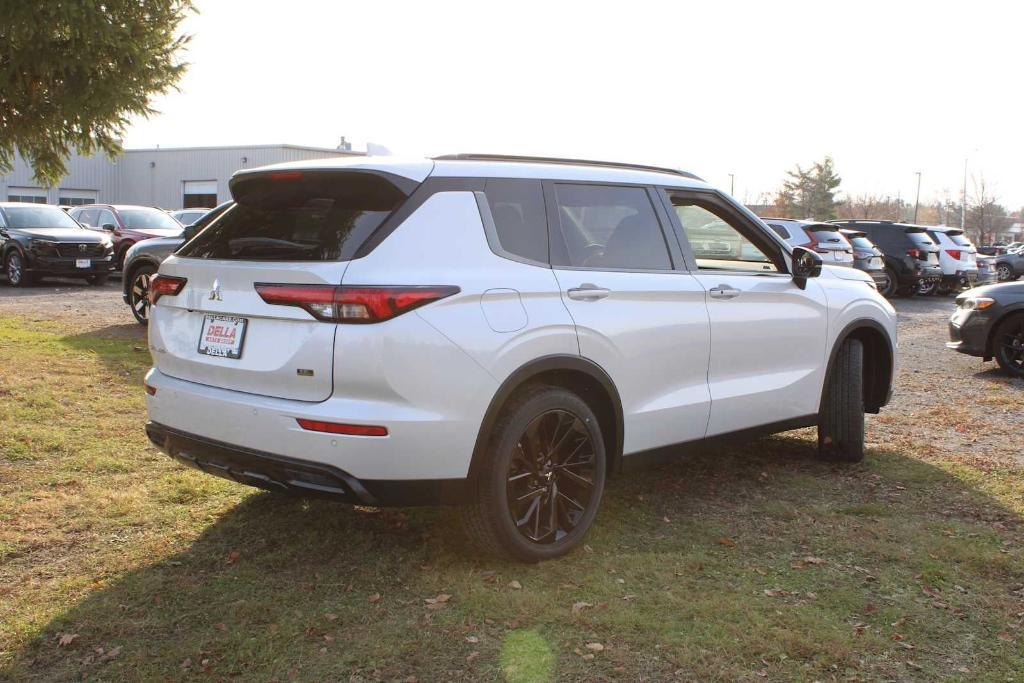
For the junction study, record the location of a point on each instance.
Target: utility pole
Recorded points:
(963, 203)
(917, 199)
(732, 185)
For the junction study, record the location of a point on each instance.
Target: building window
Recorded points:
(75, 201)
(30, 198)
(199, 194)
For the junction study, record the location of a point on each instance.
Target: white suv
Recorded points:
(824, 238)
(499, 332)
(958, 258)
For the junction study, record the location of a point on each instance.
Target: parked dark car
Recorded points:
(1010, 266)
(127, 224)
(144, 259)
(38, 240)
(989, 323)
(867, 257)
(911, 256)
(986, 270)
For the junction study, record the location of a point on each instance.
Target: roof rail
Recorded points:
(555, 160)
(861, 220)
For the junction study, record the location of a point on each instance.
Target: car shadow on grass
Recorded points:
(727, 563)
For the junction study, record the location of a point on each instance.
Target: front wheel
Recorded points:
(14, 267)
(841, 422)
(1005, 273)
(538, 492)
(138, 293)
(1008, 345)
(890, 284)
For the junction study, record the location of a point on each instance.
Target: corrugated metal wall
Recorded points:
(156, 177)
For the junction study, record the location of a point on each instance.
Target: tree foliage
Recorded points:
(810, 193)
(73, 72)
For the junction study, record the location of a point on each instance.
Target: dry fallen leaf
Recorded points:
(472, 639)
(514, 585)
(66, 639)
(234, 556)
(374, 598)
(594, 647)
(728, 542)
(813, 560)
(331, 617)
(578, 607)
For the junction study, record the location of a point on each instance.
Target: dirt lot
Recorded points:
(749, 562)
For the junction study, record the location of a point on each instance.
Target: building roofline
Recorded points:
(339, 152)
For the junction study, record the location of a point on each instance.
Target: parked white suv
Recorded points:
(499, 332)
(824, 238)
(958, 258)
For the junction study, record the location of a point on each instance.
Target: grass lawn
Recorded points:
(747, 563)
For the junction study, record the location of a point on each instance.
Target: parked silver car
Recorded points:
(143, 259)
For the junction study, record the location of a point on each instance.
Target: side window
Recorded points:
(87, 216)
(607, 227)
(521, 225)
(716, 244)
(779, 230)
(105, 217)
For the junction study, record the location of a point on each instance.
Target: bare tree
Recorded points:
(986, 218)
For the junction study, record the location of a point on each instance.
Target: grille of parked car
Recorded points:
(80, 249)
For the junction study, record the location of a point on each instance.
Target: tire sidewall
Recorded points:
(1013, 319)
(495, 477)
(11, 256)
(141, 270)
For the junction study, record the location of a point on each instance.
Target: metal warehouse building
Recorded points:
(170, 178)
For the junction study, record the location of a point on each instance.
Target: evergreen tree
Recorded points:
(73, 72)
(810, 193)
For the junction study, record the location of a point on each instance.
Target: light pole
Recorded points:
(917, 199)
(732, 185)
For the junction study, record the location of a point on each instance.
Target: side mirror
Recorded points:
(109, 226)
(806, 264)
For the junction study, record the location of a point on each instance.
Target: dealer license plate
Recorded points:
(83, 263)
(222, 336)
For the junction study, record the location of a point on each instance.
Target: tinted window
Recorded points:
(517, 207)
(148, 219)
(296, 217)
(921, 239)
(610, 227)
(87, 216)
(861, 243)
(105, 217)
(38, 217)
(959, 238)
(779, 230)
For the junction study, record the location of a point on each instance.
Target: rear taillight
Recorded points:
(916, 253)
(353, 304)
(341, 428)
(165, 284)
(954, 254)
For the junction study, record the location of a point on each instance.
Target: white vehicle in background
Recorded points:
(498, 332)
(824, 238)
(958, 259)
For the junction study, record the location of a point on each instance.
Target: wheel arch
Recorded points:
(581, 376)
(1013, 309)
(879, 362)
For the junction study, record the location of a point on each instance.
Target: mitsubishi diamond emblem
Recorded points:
(215, 292)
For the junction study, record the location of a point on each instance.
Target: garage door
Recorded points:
(199, 194)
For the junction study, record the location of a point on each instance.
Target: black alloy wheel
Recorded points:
(1004, 272)
(1008, 345)
(926, 287)
(889, 290)
(551, 477)
(138, 293)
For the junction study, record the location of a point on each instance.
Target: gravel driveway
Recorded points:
(946, 404)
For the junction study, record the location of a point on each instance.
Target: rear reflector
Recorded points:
(353, 304)
(165, 284)
(339, 428)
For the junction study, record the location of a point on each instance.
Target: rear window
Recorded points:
(921, 239)
(827, 235)
(779, 230)
(297, 216)
(861, 243)
(959, 238)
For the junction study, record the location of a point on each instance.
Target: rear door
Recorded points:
(637, 315)
(292, 228)
(768, 336)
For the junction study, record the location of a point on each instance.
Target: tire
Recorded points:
(97, 280)
(14, 269)
(1008, 345)
(556, 519)
(890, 286)
(138, 292)
(943, 290)
(841, 423)
(1004, 272)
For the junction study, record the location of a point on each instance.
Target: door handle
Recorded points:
(588, 292)
(723, 292)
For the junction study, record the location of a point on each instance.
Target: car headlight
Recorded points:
(975, 303)
(107, 243)
(43, 246)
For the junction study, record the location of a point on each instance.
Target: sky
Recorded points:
(888, 89)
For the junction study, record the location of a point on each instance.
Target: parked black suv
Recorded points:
(38, 240)
(867, 257)
(911, 256)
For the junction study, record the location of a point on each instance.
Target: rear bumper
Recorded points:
(283, 474)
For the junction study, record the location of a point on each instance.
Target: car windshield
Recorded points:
(148, 219)
(41, 217)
